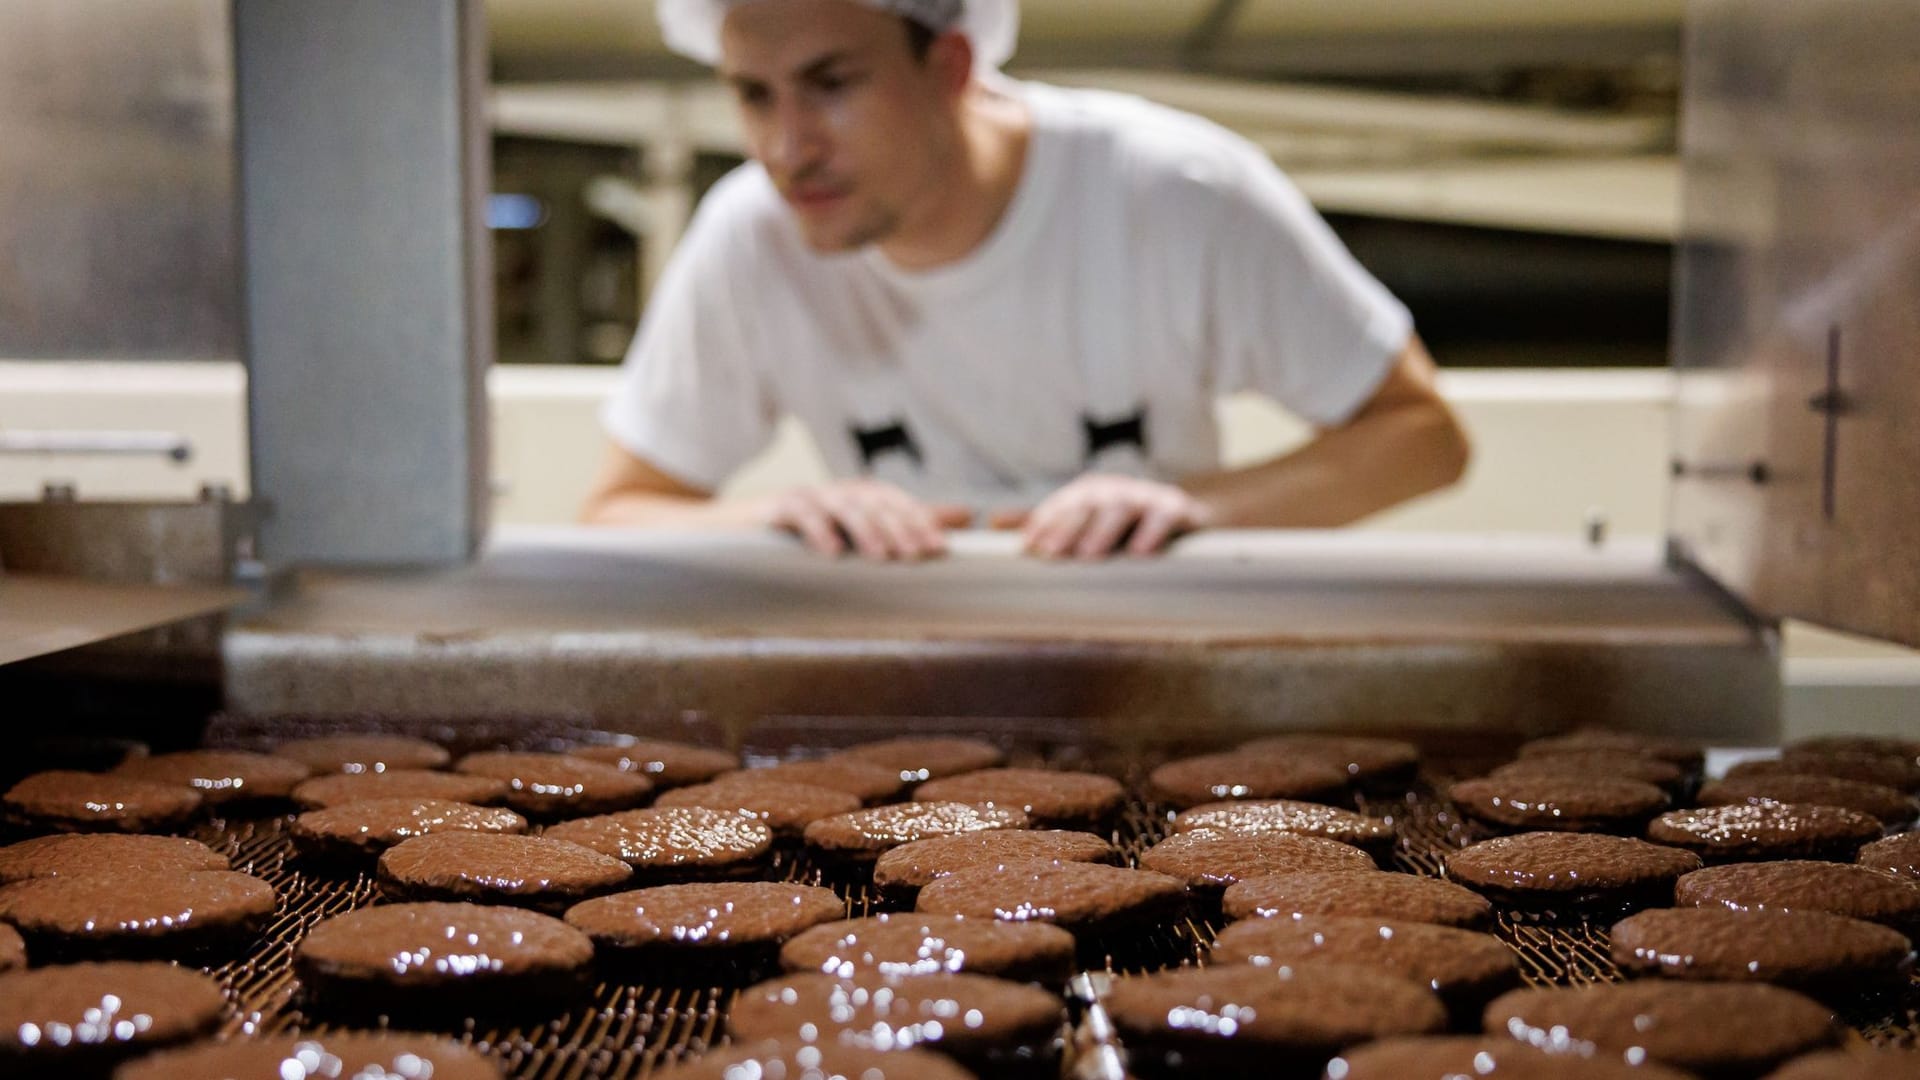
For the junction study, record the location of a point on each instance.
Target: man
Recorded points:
(986, 295)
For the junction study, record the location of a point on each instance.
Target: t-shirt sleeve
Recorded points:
(1291, 313)
(691, 399)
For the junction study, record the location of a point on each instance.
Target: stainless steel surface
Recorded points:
(1798, 339)
(44, 615)
(157, 543)
(116, 181)
(167, 444)
(363, 172)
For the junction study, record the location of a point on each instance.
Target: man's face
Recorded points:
(839, 110)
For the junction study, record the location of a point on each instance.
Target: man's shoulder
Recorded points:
(743, 213)
(1158, 150)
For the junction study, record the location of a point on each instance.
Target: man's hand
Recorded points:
(1098, 515)
(877, 520)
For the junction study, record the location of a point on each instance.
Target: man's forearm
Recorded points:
(662, 511)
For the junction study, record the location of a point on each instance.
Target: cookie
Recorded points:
(13, 949)
(62, 801)
(1765, 830)
(1836, 888)
(1559, 803)
(674, 843)
(336, 789)
(1357, 892)
(415, 962)
(861, 837)
(357, 832)
(1210, 861)
(667, 764)
(552, 787)
(785, 808)
(1871, 745)
(1721, 1028)
(365, 753)
(78, 1019)
(1605, 764)
(1047, 797)
(355, 1054)
(1088, 899)
(792, 1059)
(1883, 804)
(927, 757)
(1368, 762)
(222, 777)
(1213, 777)
(1853, 1063)
(1253, 1021)
(1801, 949)
(922, 944)
(902, 872)
(729, 931)
(870, 783)
(1254, 816)
(1571, 871)
(1452, 1057)
(143, 914)
(1465, 968)
(71, 854)
(494, 868)
(1685, 753)
(1900, 773)
(1898, 855)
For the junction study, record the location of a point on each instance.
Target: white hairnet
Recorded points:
(692, 27)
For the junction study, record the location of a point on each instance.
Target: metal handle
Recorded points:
(166, 444)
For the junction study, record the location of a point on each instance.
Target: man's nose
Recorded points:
(796, 142)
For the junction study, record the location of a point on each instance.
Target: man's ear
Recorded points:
(951, 58)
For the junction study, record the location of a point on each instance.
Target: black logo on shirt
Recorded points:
(1126, 431)
(892, 439)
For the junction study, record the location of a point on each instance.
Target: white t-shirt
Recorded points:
(1149, 263)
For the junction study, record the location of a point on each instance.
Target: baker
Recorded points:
(988, 296)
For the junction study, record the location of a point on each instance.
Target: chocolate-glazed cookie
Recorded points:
(1853, 1063)
(354, 1054)
(437, 961)
(927, 757)
(1872, 745)
(1718, 1028)
(904, 871)
(222, 777)
(336, 789)
(1209, 861)
(62, 801)
(1807, 950)
(1606, 764)
(142, 914)
(13, 949)
(1048, 797)
(1241, 1021)
(730, 931)
(924, 944)
(359, 754)
(784, 807)
(495, 868)
(70, 854)
(860, 837)
(1451, 1057)
(1465, 968)
(1895, 772)
(675, 843)
(792, 1059)
(1368, 762)
(357, 832)
(1213, 777)
(78, 1019)
(667, 764)
(1686, 753)
(869, 783)
(1884, 804)
(1897, 855)
(1088, 899)
(1571, 870)
(1837, 888)
(1357, 892)
(1559, 803)
(1254, 816)
(1765, 829)
(552, 787)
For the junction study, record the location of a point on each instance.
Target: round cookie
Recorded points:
(667, 764)
(1368, 762)
(1836, 888)
(1088, 899)
(860, 837)
(1765, 830)
(71, 854)
(413, 961)
(988, 1024)
(496, 868)
(1465, 968)
(1685, 753)
(1803, 949)
(1048, 797)
(1871, 745)
(78, 1019)
(1720, 1028)
(927, 757)
(729, 930)
(869, 783)
(1853, 1063)
(784, 807)
(1249, 816)
(1884, 804)
(1559, 803)
(138, 913)
(791, 1059)
(1897, 855)
(1567, 871)
(1357, 892)
(63, 801)
(902, 872)
(1252, 1021)
(336, 789)
(550, 787)
(1213, 777)
(13, 949)
(1452, 1057)
(1210, 861)
(1605, 764)
(222, 777)
(358, 831)
(355, 1054)
(1900, 773)
(360, 754)
(674, 843)
(921, 944)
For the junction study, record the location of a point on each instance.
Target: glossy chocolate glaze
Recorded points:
(221, 776)
(1086, 898)
(927, 757)
(1739, 1028)
(496, 868)
(1789, 948)
(667, 764)
(360, 754)
(914, 865)
(67, 801)
(550, 787)
(1213, 777)
(356, 1054)
(72, 854)
(1570, 869)
(1206, 859)
(862, 835)
(1765, 830)
(917, 943)
(1047, 796)
(1357, 892)
(786, 808)
(673, 840)
(337, 789)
